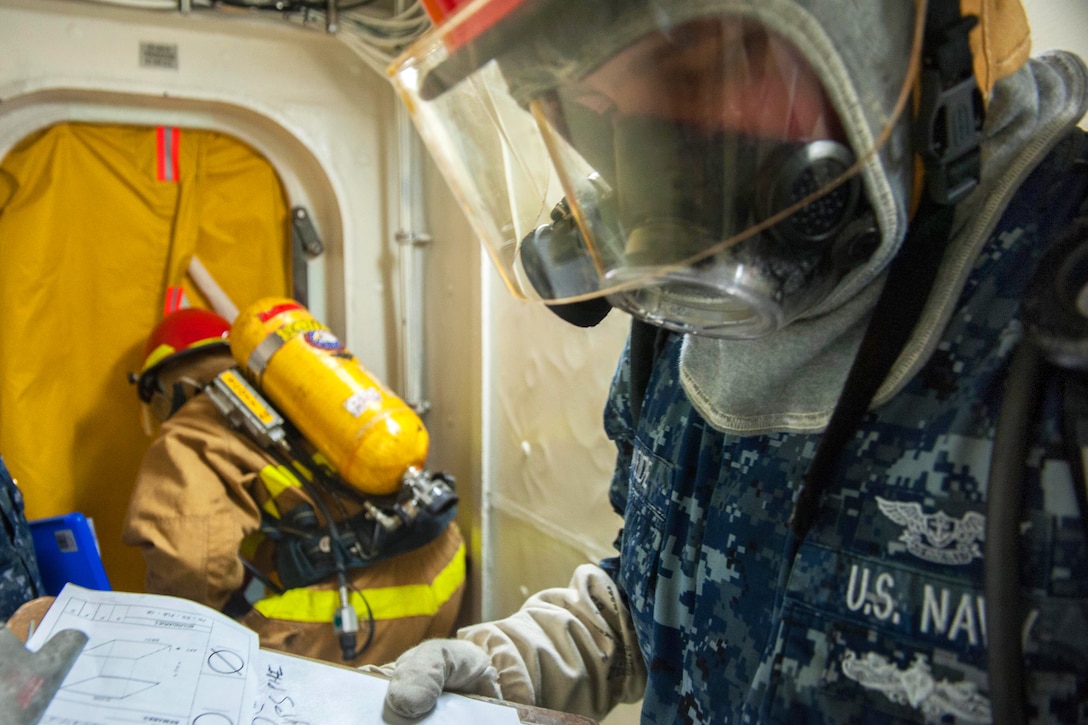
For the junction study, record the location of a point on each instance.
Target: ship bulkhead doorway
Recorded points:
(99, 226)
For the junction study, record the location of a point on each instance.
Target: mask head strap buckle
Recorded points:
(950, 115)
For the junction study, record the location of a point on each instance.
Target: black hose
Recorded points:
(347, 639)
(1004, 608)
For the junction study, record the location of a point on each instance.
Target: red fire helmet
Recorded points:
(179, 334)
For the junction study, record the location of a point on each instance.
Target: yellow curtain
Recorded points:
(96, 222)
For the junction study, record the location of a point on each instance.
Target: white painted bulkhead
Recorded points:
(515, 395)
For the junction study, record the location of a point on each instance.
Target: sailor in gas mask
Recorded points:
(823, 217)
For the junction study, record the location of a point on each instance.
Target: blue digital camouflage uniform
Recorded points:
(880, 617)
(20, 580)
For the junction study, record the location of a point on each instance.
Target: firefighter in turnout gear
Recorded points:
(238, 518)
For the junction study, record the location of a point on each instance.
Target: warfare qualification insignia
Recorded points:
(917, 688)
(937, 538)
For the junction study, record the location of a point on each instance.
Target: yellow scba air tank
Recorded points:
(365, 431)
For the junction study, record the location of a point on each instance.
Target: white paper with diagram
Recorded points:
(166, 660)
(149, 659)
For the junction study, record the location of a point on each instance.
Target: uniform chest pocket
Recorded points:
(879, 638)
(870, 640)
(643, 530)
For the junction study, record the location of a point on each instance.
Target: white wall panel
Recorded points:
(547, 461)
(1059, 24)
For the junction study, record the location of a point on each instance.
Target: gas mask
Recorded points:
(706, 166)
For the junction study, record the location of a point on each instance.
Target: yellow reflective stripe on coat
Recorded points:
(409, 600)
(276, 480)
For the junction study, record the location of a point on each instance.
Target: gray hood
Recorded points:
(791, 381)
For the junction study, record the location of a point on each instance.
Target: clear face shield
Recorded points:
(685, 160)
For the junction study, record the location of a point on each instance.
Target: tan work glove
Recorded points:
(571, 649)
(421, 674)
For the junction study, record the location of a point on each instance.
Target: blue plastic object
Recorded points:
(67, 551)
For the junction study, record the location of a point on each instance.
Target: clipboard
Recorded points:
(540, 716)
(194, 661)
